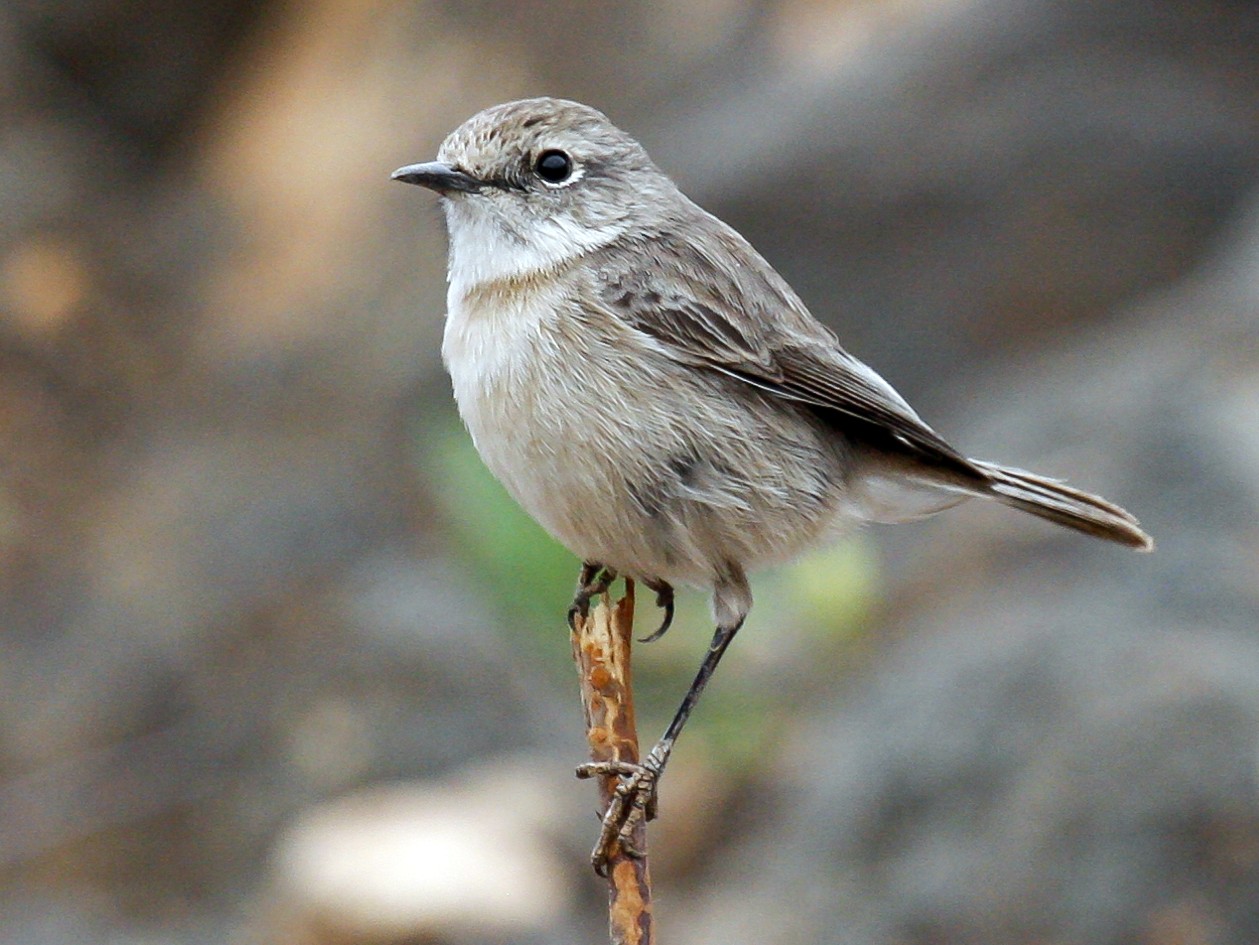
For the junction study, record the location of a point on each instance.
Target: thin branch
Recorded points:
(601, 650)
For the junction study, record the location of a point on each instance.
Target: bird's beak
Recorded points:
(439, 177)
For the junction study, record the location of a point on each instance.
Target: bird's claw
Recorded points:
(593, 581)
(664, 599)
(633, 802)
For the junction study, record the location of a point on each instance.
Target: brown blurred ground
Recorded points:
(232, 589)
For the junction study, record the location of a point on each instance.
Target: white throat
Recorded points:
(485, 248)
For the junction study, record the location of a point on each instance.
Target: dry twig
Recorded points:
(601, 650)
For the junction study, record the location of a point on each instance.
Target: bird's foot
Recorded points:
(664, 599)
(633, 802)
(593, 580)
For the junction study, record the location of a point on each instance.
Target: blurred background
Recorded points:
(279, 664)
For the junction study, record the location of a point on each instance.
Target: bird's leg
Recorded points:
(664, 598)
(635, 796)
(592, 581)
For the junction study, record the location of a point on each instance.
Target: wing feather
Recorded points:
(744, 321)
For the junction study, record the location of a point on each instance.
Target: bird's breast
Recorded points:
(520, 365)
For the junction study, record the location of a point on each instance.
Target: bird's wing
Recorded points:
(742, 319)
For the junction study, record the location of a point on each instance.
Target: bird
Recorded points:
(649, 388)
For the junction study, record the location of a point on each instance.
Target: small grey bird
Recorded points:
(656, 395)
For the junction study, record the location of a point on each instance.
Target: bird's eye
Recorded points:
(553, 166)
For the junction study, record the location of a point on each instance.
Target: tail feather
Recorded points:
(1059, 503)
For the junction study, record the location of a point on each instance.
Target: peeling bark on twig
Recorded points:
(601, 650)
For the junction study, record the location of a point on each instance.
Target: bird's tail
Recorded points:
(1050, 499)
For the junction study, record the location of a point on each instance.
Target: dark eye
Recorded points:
(553, 166)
